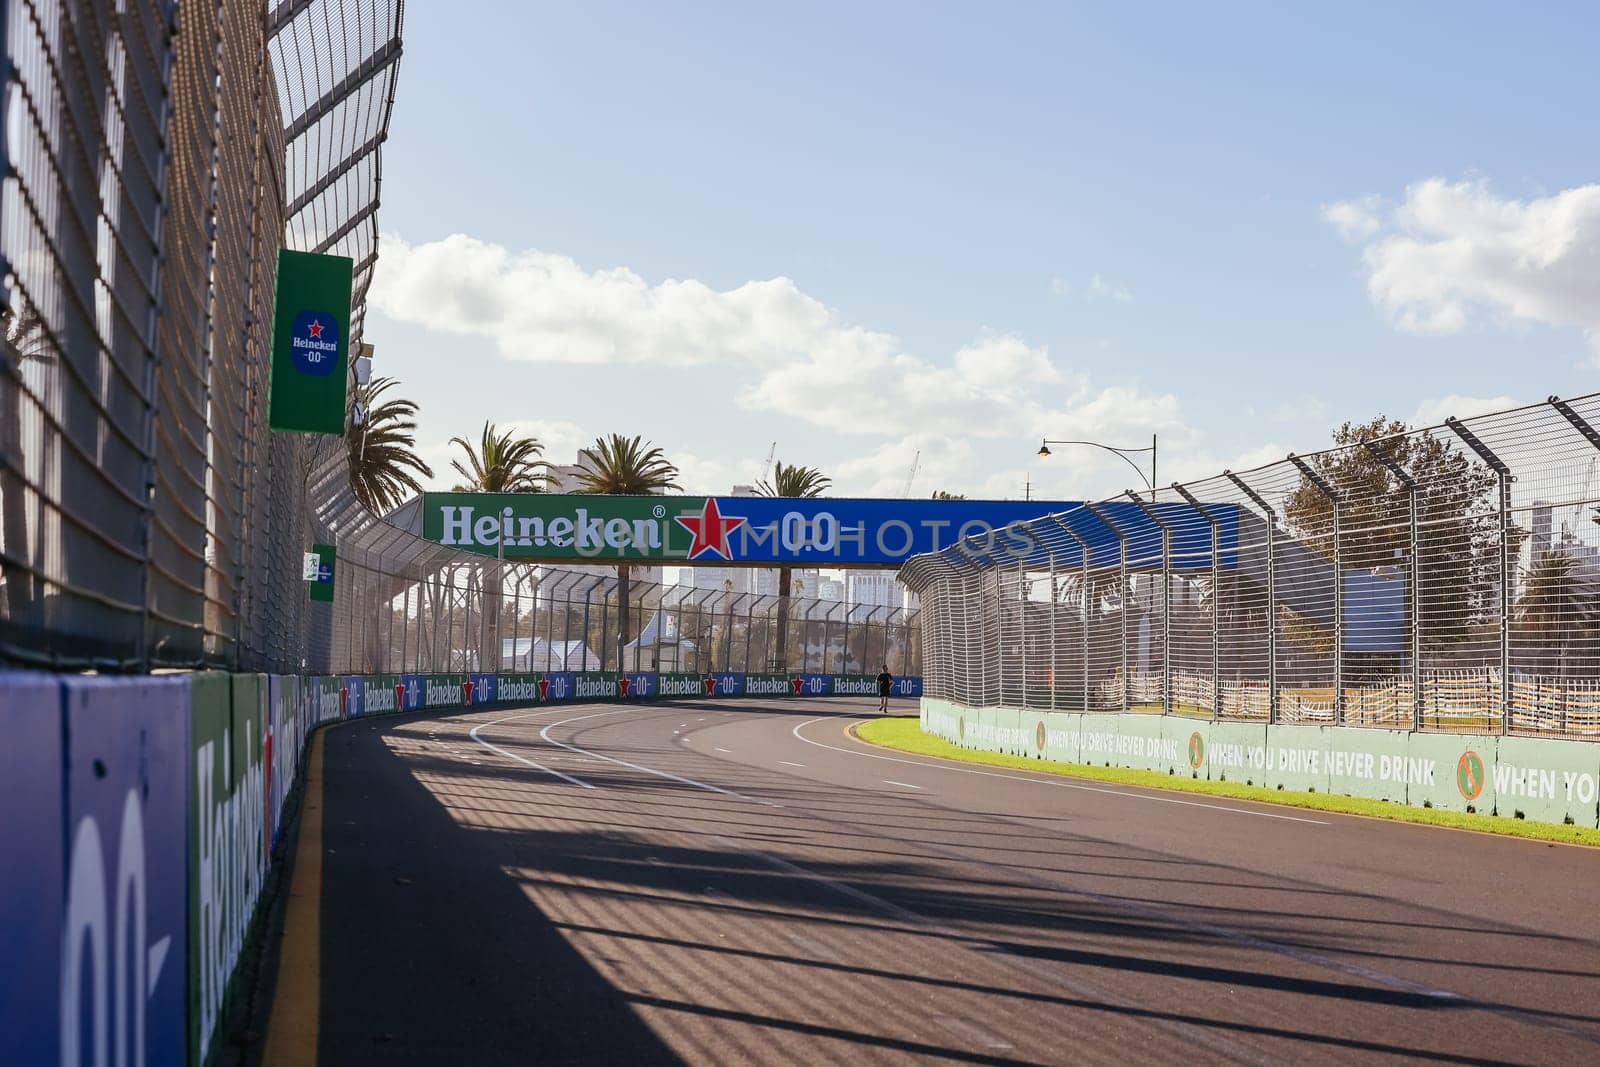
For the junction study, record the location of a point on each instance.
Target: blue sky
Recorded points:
(865, 230)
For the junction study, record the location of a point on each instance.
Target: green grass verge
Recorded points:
(905, 734)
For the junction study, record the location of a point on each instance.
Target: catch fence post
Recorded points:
(1503, 473)
(1272, 591)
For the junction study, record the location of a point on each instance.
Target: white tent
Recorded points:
(659, 645)
(537, 654)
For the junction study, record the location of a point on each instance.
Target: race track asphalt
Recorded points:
(745, 882)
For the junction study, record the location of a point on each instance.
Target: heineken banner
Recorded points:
(756, 530)
(322, 585)
(310, 343)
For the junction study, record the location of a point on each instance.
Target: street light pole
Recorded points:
(1149, 480)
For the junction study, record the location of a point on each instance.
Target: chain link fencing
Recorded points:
(157, 157)
(1445, 578)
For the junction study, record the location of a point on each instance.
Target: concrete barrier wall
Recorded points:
(1544, 779)
(140, 816)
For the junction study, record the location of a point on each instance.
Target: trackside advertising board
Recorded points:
(310, 343)
(1543, 779)
(755, 530)
(142, 815)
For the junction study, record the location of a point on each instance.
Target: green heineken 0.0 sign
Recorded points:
(310, 343)
(761, 531)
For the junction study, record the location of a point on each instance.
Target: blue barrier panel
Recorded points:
(556, 687)
(416, 686)
(355, 696)
(124, 938)
(484, 688)
(32, 859)
(726, 684)
(908, 685)
(638, 685)
(813, 685)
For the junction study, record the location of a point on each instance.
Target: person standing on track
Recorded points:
(885, 684)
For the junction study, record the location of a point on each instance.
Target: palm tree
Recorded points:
(1557, 603)
(383, 463)
(26, 341)
(501, 462)
(624, 466)
(790, 480)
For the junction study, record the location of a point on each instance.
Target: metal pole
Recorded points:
(1216, 596)
(1166, 597)
(1272, 592)
(1022, 628)
(1504, 473)
(1050, 555)
(1414, 580)
(1122, 593)
(1335, 498)
(566, 636)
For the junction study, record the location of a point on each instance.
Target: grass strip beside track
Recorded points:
(905, 734)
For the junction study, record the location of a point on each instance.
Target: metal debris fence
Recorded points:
(157, 157)
(1446, 578)
(552, 619)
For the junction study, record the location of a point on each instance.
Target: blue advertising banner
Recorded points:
(127, 869)
(32, 844)
(556, 687)
(816, 532)
(638, 685)
(415, 688)
(812, 685)
(355, 696)
(907, 685)
(725, 684)
(484, 690)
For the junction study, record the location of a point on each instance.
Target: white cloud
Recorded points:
(1433, 412)
(542, 307)
(943, 462)
(1454, 250)
(1302, 409)
(1060, 286)
(1356, 220)
(1101, 289)
(803, 360)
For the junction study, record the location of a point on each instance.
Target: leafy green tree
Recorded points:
(624, 466)
(790, 480)
(1459, 528)
(384, 464)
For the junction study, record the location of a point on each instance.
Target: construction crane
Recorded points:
(911, 475)
(766, 468)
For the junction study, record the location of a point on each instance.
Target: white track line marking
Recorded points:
(545, 734)
(908, 785)
(729, 751)
(786, 763)
(526, 762)
(1047, 781)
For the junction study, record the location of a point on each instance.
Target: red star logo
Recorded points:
(544, 689)
(315, 329)
(624, 683)
(711, 687)
(710, 530)
(399, 698)
(799, 685)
